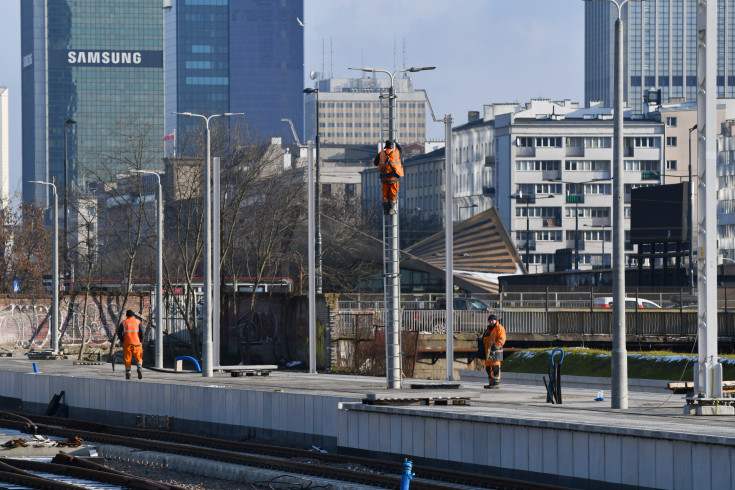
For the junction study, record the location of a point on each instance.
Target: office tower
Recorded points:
(4, 147)
(660, 50)
(235, 56)
(354, 111)
(98, 63)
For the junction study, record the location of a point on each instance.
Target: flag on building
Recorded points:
(171, 137)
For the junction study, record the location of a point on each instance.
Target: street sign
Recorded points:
(16, 286)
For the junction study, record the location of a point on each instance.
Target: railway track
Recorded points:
(356, 470)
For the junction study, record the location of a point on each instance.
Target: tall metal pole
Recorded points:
(576, 233)
(707, 370)
(619, 350)
(318, 212)
(449, 239)
(159, 277)
(216, 254)
(159, 267)
(68, 123)
(318, 233)
(393, 327)
(54, 326)
(690, 216)
(312, 272)
(207, 349)
(528, 236)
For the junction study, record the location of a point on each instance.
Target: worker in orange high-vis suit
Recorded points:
(391, 169)
(130, 334)
(491, 349)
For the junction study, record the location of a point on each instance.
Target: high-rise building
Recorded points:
(659, 50)
(235, 56)
(4, 147)
(354, 111)
(96, 62)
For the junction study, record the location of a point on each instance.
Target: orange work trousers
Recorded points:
(390, 191)
(130, 351)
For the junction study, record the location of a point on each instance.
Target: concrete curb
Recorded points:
(581, 382)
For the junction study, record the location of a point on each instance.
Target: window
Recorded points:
(641, 165)
(587, 165)
(598, 189)
(671, 141)
(671, 122)
(670, 164)
(528, 165)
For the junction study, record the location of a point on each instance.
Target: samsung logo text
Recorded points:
(104, 57)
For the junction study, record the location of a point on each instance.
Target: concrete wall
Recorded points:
(212, 410)
(572, 454)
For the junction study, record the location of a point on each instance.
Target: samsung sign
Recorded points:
(105, 58)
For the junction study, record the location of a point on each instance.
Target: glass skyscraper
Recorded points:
(235, 56)
(660, 50)
(99, 63)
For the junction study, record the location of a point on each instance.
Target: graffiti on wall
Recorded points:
(24, 324)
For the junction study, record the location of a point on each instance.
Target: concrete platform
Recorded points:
(509, 432)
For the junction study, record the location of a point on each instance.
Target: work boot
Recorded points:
(393, 209)
(140, 372)
(494, 384)
(127, 374)
(386, 207)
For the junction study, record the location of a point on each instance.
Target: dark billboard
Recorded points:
(659, 213)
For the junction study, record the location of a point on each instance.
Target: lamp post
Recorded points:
(69, 122)
(55, 274)
(392, 270)
(207, 368)
(159, 268)
(690, 216)
(619, 373)
(317, 201)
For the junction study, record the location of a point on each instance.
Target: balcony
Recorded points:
(522, 245)
(551, 222)
(650, 175)
(525, 151)
(488, 190)
(575, 198)
(575, 151)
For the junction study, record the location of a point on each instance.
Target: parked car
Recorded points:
(461, 303)
(607, 302)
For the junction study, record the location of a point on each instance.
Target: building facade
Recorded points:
(660, 50)
(235, 56)
(96, 62)
(354, 111)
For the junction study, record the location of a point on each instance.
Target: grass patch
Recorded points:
(591, 362)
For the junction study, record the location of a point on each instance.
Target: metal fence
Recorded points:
(568, 322)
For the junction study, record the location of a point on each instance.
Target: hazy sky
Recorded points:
(484, 51)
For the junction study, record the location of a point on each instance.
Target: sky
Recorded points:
(485, 51)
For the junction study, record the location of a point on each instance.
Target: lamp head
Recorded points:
(421, 68)
(69, 122)
(233, 114)
(311, 90)
(368, 69)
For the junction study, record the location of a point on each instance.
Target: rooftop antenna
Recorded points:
(394, 54)
(404, 54)
(331, 59)
(323, 57)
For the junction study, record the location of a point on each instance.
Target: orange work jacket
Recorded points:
(495, 336)
(131, 327)
(389, 163)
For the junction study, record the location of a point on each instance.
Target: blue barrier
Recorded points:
(189, 358)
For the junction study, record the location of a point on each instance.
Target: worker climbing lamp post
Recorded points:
(391, 270)
(54, 327)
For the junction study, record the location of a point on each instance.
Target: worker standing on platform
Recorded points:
(130, 333)
(391, 169)
(491, 349)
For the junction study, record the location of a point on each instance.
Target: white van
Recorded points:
(607, 302)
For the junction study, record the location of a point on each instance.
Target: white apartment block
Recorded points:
(556, 152)
(354, 111)
(4, 147)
